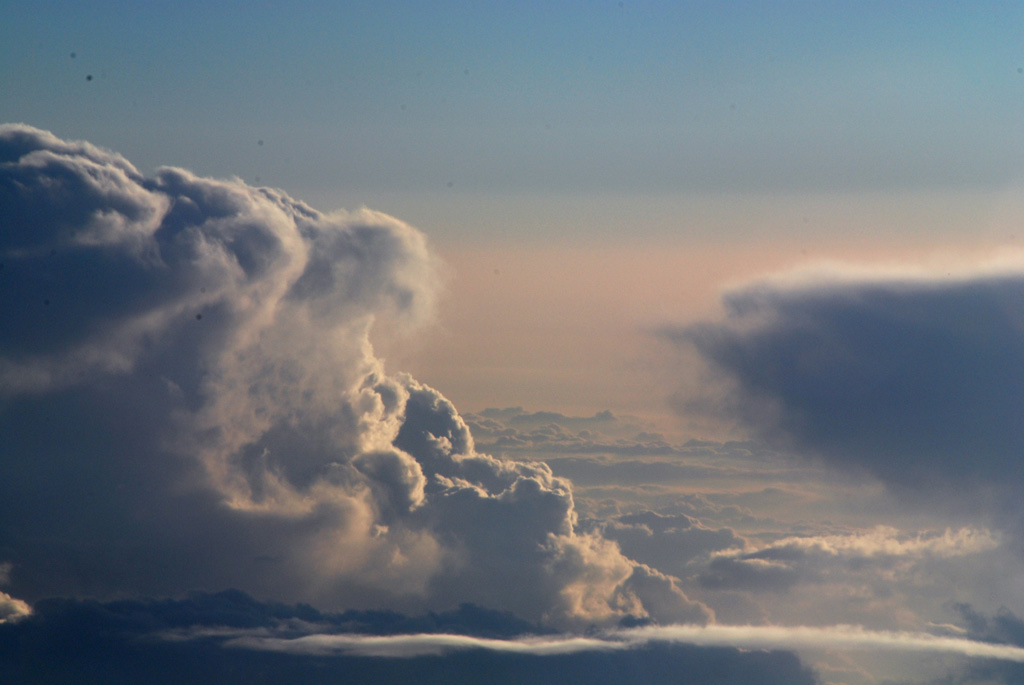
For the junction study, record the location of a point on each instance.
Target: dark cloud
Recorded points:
(1004, 627)
(916, 379)
(513, 428)
(189, 399)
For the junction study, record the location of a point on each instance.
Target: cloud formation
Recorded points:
(914, 377)
(189, 398)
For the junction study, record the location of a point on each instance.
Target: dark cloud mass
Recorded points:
(915, 378)
(189, 400)
(1004, 627)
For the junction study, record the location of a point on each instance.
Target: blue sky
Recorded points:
(617, 324)
(395, 101)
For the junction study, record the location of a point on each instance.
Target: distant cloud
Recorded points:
(190, 399)
(783, 563)
(915, 377)
(829, 637)
(668, 542)
(885, 541)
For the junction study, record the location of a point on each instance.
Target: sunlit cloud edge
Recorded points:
(843, 637)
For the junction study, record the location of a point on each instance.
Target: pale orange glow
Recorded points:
(571, 328)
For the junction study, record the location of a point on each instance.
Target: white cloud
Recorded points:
(884, 541)
(421, 645)
(840, 637)
(831, 637)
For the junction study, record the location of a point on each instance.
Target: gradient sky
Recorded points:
(356, 102)
(745, 275)
(802, 129)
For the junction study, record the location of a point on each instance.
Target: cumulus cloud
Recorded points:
(914, 377)
(190, 398)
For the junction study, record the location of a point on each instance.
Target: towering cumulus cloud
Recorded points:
(189, 399)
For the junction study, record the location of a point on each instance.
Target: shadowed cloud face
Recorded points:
(189, 398)
(916, 378)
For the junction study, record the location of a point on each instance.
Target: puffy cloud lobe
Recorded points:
(12, 608)
(189, 370)
(521, 521)
(914, 377)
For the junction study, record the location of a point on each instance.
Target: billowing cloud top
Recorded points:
(189, 399)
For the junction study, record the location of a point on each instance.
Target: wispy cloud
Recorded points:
(842, 637)
(881, 541)
(422, 644)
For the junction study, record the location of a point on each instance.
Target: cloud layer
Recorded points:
(228, 637)
(190, 399)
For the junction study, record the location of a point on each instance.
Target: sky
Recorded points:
(392, 341)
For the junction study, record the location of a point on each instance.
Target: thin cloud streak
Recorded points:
(404, 646)
(845, 637)
(830, 637)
